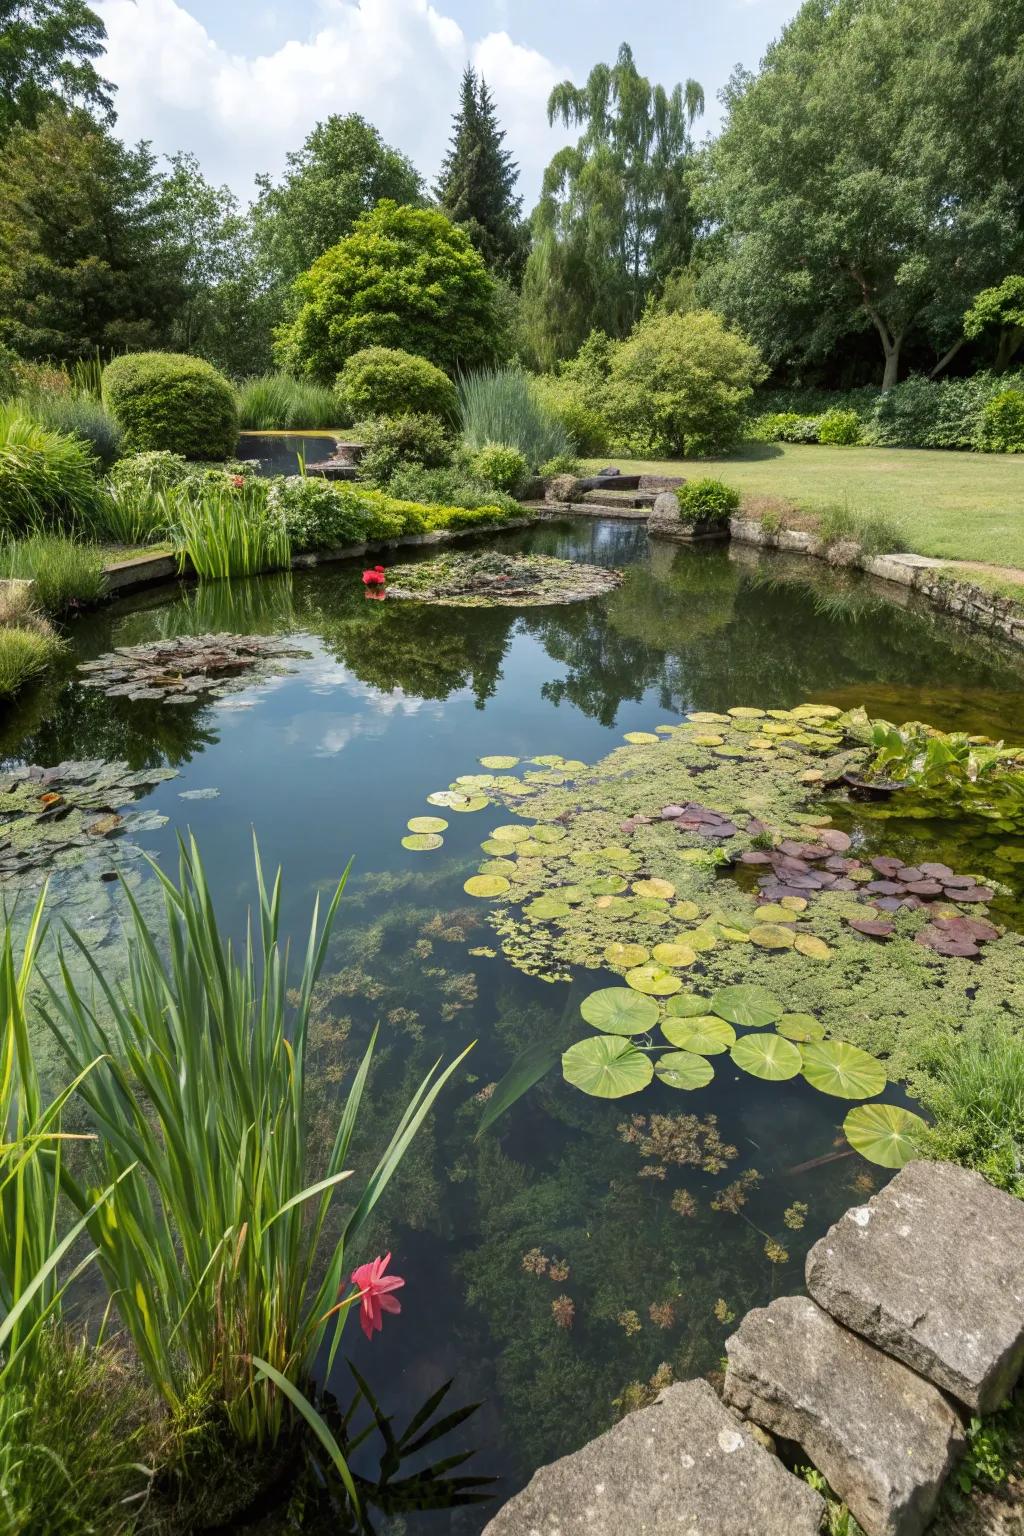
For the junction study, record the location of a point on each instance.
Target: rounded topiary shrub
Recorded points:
(840, 428)
(1002, 424)
(385, 381)
(501, 466)
(166, 400)
(707, 501)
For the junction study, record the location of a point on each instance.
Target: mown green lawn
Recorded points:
(957, 506)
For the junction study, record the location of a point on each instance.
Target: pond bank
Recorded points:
(912, 1304)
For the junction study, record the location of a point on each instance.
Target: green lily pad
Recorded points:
(843, 1070)
(686, 911)
(620, 1011)
(550, 760)
(513, 833)
(504, 867)
(885, 1134)
(703, 938)
(486, 886)
(682, 1069)
(802, 1027)
(664, 890)
(641, 738)
(625, 956)
(750, 1006)
(770, 913)
(471, 803)
(706, 1034)
(674, 954)
(495, 846)
(544, 908)
(498, 761)
(687, 1005)
(545, 833)
(809, 944)
(606, 1067)
(772, 936)
(767, 1056)
(607, 885)
(448, 797)
(653, 979)
(427, 824)
(422, 842)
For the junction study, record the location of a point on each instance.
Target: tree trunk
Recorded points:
(891, 373)
(1009, 342)
(947, 358)
(891, 340)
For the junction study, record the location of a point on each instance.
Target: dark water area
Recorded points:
(278, 453)
(326, 764)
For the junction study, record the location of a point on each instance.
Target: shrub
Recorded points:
(453, 486)
(65, 572)
(503, 467)
(227, 531)
(277, 402)
(8, 378)
(503, 405)
(77, 416)
(1002, 423)
(412, 438)
(154, 471)
(385, 381)
(317, 514)
(404, 277)
(680, 384)
(170, 401)
(24, 654)
(45, 477)
(584, 423)
(706, 501)
(840, 428)
(561, 464)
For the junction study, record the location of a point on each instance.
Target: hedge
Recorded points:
(168, 401)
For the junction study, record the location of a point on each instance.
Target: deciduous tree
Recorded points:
(47, 48)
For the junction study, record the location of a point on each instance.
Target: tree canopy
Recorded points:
(870, 176)
(405, 277)
(476, 187)
(47, 48)
(614, 215)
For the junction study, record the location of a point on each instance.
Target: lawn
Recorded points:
(957, 506)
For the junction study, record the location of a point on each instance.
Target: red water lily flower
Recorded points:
(375, 1288)
(374, 578)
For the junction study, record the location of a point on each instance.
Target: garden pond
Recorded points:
(565, 1259)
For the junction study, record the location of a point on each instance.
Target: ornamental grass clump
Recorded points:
(502, 405)
(226, 530)
(278, 402)
(221, 1241)
(65, 572)
(45, 477)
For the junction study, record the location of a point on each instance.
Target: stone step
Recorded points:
(884, 1438)
(617, 498)
(684, 1467)
(931, 1270)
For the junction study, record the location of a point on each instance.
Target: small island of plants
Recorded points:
(490, 579)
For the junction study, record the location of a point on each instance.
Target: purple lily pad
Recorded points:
(874, 928)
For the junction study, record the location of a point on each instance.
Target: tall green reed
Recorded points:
(502, 405)
(217, 1247)
(277, 402)
(227, 530)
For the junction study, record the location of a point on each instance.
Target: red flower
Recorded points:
(237, 480)
(374, 578)
(379, 568)
(375, 1289)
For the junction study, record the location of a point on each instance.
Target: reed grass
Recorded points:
(25, 654)
(277, 402)
(45, 477)
(132, 515)
(65, 572)
(215, 1246)
(226, 531)
(502, 405)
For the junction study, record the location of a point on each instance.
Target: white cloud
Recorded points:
(396, 61)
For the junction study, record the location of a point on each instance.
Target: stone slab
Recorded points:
(884, 1438)
(932, 1271)
(684, 1467)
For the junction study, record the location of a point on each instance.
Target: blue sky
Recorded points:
(239, 82)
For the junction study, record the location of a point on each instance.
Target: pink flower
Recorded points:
(374, 578)
(375, 1289)
(238, 480)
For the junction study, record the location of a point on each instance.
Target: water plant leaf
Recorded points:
(607, 885)
(749, 1006)
(498, 761)
(885, 1134)
(543, 908)
(767, 1056)
(809, 944)
(469, 803)
(770, 913)
(513, 832)
(446, 797)
(686, 911)
(641, 738)
(682, 1069)
(664, 890)
(528, 1068)
(422, 842)
(486, 885)
(772, 936)
(506, 867)
(706, 1034)
(801, 1027)
(843, 1070)
(740, 712)
(674, 954)
(625, 956)
(545, 833)
(606, 1067)
(620, 1011)
(687, 1005)
(427, 824)
(653, 979)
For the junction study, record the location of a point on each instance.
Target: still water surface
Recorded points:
(326, 765)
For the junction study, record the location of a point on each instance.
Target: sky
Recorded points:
(241, 82)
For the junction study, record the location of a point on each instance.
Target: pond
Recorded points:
(278, 453)
(558, 1262)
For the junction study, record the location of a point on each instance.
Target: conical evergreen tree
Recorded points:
(476, 186)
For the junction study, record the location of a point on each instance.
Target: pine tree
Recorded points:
(476, 186)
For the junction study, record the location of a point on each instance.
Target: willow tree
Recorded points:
(614, 217)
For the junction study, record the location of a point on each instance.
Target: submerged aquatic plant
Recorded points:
(217, 1244)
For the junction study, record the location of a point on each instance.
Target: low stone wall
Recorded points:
(914, 1321)
(919, 572)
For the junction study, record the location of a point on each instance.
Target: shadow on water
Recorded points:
(549, 1271)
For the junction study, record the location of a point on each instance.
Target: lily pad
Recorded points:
(498, 761)
(767, 1056)
(606, 1067)
(772, 936)
(885, 1134)
(625, 956)
(427, 824)
(674, 954)
(768, 912)
(608, 885)
(686, 911)
(843, 1070)
(749, 1006)
(641, 738)
(506, 867)
(512, 833)
(470, 803)
(447, 797)
(664, 890)
(686, 1005)
(801, 1027)
(620, 1011)
(809, 944)
(706, 1034)
(653, 979)
(682, 1069)
(422, 842)
(486, 886)
(543, 908)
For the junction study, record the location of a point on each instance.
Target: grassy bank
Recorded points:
(955, 506)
